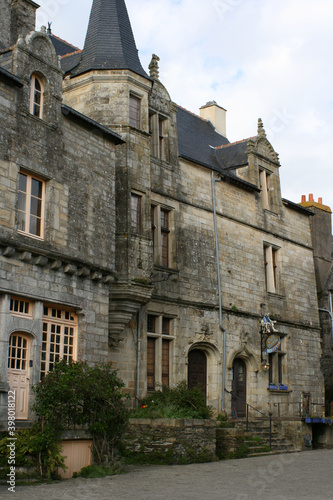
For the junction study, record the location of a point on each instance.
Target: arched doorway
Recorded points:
(18, 372)
(239, 387)
(197, 369)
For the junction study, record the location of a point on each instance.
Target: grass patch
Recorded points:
(95, 471)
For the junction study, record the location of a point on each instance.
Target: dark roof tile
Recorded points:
(109, 42)
(61, 46)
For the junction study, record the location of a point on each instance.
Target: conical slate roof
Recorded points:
(109, 41)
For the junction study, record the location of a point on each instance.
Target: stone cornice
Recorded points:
(56, 262)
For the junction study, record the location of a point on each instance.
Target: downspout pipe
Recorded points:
(329, 312)
(220, 292)
(138, 363)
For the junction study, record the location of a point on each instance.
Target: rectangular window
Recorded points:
(151, 343)
(165, 362)
(136, 221)
(165, 238)
(58, 337)
(264, 186)
(158, 135)
(161, 235)
(31, 195)
(159, 343)
(276, 362)
(135, 111)
(20, 307)
(271, 268)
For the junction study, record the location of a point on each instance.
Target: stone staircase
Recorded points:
(257, 438)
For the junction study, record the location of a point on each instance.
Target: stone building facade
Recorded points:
(133, 232)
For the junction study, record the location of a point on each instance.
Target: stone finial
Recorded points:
(153, 67)
(261, 130)
(43, 29)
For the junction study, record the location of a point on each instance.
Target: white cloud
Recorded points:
(254, 57)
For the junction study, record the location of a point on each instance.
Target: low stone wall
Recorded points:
(226, 440)
(180, 440)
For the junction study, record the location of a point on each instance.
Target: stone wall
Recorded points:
(183, 440)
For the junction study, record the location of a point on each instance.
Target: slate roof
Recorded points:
(233, 155)
(109, 41)
(70, 61)
(92, 125)
(61, 46)
(10, 78)
(195, 136)
(199, 142)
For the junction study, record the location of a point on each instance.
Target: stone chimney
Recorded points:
(216, 115)
(17, 18)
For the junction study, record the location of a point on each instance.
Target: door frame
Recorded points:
(204, 355)
(18, 378)
(239, 404)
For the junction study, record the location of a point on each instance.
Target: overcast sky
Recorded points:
(257, 58)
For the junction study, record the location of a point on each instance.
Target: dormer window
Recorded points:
(36, 97)
(264, 178)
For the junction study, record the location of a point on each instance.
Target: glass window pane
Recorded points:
(37, 84)
(21, 201)
(36, 207)
(36, 188)
(23, 183)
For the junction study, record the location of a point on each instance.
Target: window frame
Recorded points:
(135, 111)
(136, 214)
(276, 372)
(28, 215)
(33, 94)
(62, 319)
(271, 267)
(159, 368)
(162, 235)
(157, 130)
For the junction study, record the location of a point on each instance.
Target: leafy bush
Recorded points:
(76, 394)
(177, 402)
(92, 471)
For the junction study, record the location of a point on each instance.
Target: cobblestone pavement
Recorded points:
(280, 477)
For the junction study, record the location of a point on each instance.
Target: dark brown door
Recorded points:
(239, 387)
(197, 369)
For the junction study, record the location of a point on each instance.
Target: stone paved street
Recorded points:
(296, 476)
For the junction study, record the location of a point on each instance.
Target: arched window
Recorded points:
(36, 97)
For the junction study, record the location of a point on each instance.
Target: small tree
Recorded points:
(76, 394)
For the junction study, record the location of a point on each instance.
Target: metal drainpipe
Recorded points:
(220, 292)
(138, 364)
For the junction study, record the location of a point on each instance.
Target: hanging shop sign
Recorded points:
(272, 343)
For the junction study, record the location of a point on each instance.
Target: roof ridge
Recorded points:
(236, 142)
(194, 114)
(65, 41)
(72, 53)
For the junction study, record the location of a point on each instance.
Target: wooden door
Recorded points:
(239, 387)
(18, 372)
(197, 369)
(77, 454)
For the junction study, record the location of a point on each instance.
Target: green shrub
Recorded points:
(92, 471)
(177, 402)
(76, 394)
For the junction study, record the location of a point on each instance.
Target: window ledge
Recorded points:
(276, 295)
(271, 212)
(166, 269)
